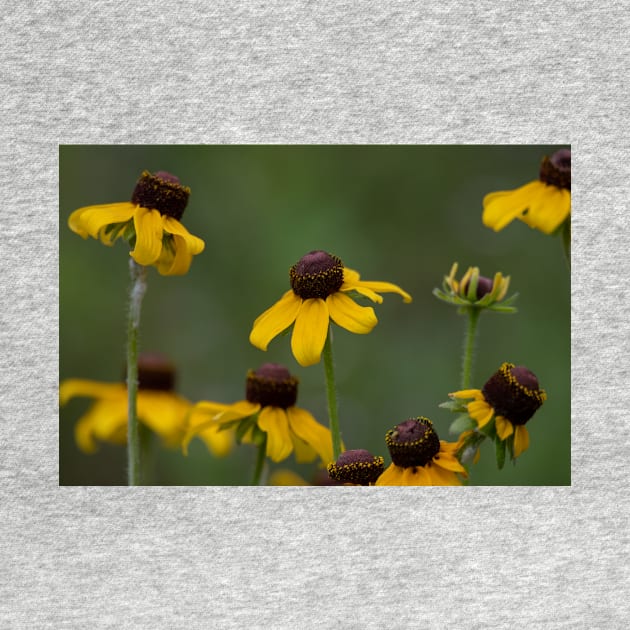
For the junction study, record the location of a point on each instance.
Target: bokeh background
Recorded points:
(402, 214)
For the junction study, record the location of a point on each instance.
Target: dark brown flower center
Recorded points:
(358, 466)
(316, 275)
(513, 392)
(162, 192)
(271, 385)
(413, 442)
(556, 170)
(155, 372)
(484, 286)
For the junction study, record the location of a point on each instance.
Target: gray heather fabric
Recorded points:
(302, 72)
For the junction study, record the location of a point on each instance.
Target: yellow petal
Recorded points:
(391, 476)
(274, 422)
(416, 476)
(467, 393)
(504, 427)
(165, 413)
(105, 420)
(345, 312)
(194, 244)
(438, 476)
(521, 440)
(500, 208)
(219, 442)
(481, 412)
(148, 224)
(548, 209)
(448, 461)
(311, 432)
(74, 387)
(370, 288)
(274, 320)
(175, 263)
(286, 478)
(91, 219)
(309, 332)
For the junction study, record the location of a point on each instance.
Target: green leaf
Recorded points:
(453, 405)
(462, 423)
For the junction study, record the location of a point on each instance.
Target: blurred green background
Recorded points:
(402, 214)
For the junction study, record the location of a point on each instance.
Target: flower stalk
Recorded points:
(469, 346)
(138, 288)
(331, 395)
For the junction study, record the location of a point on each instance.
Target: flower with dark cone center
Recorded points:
(155, 371)
(162, 192)
(484, 286)
(513, 392)
(556, 170)
(413, 442)
(316, 275)
(358, 466)
(271, 385)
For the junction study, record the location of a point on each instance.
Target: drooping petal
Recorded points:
(500, 208)
(194, 245)
(548, 209)
(219, 442)
(148, 225)
(305, 427)
(309, 332)
(165, 413)
(274, 422)
(89, 220)
(177, 262)
(75, 387)
(304, 453)
(275, 319)
(345, 312)
(481, 412)
(504, 427)
(521, 440)
(106, 420)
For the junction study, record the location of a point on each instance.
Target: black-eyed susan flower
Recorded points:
(268, 409)
(510, 396)
(159, 407)
(321, 289)
(475, 290)
(150, 222)
(543, 204)
(357, 467)
(419, 457)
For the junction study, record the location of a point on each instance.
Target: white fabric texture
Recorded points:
(301, 72)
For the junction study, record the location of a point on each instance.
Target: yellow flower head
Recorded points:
(268, 412)
(357, 467)
(419, 457)
(159, 408)
(476, 290)
(511, 396)
(543, 204)
(150, 222)
(320, 288)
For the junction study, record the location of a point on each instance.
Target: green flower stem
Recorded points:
(331, 394)
(138, 287)
(260, 461)
(469, 346)
(566, 241)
